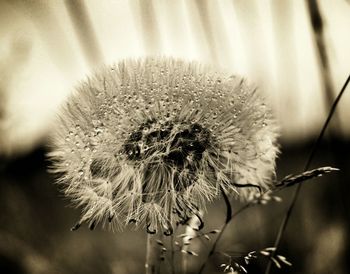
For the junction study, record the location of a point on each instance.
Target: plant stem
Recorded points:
(284, 223)
(282, 184)
(172, 254)
(223, 228)
(191, 229)
(228, 219)
(152, 265)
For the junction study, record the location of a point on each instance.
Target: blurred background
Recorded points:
(296, 51)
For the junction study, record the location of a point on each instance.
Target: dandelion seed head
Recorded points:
(153, 140)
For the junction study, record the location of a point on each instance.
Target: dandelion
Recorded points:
(151, 141)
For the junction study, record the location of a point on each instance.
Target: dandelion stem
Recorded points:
(153, 254)
(172, 254)
(184, 256)
(194, 224)
(228, 219)
(284, 223)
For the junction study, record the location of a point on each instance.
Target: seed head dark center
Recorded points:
(179, 147)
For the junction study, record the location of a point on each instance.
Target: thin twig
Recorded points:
(287, 181)
(172, 254)
(286, 218)
(194, 225)
(152, 265)
(228, 219)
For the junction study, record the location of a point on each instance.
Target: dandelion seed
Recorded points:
(159, 242)
(265, 253)
(192, 253)
(152, 141)
(271, 249)
(243, 268)
(278, 265)
(277, 199)
(246, 260)
(284, 260)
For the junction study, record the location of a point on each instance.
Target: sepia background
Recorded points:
(296, 51)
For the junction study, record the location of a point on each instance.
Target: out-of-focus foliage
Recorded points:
(47, 46)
